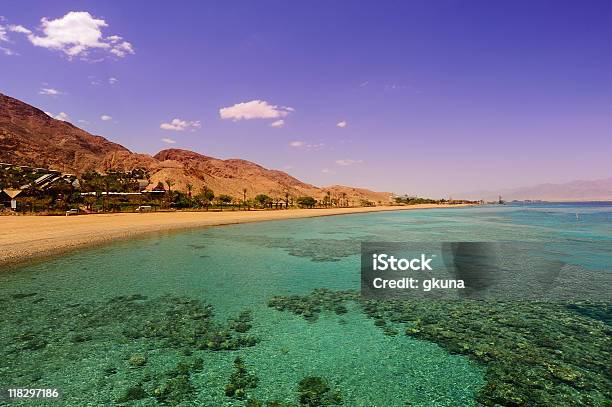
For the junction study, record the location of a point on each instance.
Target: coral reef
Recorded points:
(240, 381)
(317, 250)
(176, 386)
(145, 335)
(314, 392)
(311, 306)
(242, 323)
(536, 353)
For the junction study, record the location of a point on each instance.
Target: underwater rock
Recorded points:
(176, 387)
(80, 337)
(269, 403)
(174, 390)
(32, 341)
(310, 306)
(132, 393)
(240, 381)
(314, 391)
(241, 323)
(19, 296)
(389, 331)
(137, 360)
(317, 250)
(340, 309)
(110, 370)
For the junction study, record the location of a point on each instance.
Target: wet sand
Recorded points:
(26, 238)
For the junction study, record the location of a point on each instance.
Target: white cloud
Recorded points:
(327, 171)
(75, 34)
(8, 51)
(60, 116)
(4, 29)
(4, 38)
(106, 117)
(342, 124)
(19, 29)
(181, 125)
(394, 86)
(278, 123)
(113, 80)
(348, 161)
(119, 47)
(255, 109)
(3, 35)
(168, 140)
(303, 144)
(50, 92)
(83, 121)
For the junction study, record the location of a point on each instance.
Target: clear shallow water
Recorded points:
(240, 267)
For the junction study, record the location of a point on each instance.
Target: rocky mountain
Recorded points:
(28, 136)
(597, 190)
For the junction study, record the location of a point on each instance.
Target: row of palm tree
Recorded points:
(94, 192)
(206, 198)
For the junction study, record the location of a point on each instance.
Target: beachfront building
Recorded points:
(19, 183)
(8, 198)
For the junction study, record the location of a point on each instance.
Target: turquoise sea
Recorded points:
(161, 320)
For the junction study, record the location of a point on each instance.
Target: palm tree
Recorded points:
(244, 191)
(170, 183)
(263, 200)
(286, 200)
(189, 189)
(206, 196)
(224, 200)
(344, 200)
(106, 183)
(90, 201)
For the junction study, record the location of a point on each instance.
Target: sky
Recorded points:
(413, 97)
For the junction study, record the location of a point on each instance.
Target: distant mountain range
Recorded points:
(28, 136)
(598, 190)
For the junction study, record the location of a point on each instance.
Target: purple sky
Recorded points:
(436, 97)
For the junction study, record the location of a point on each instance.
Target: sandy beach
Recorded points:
(31, 237)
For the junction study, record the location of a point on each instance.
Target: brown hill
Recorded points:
(28, 136)
(233, 175)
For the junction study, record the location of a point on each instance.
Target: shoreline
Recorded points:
(29, 238)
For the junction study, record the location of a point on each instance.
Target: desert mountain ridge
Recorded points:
(593, 190)
(29, 136)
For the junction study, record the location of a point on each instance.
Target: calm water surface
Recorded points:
(240, 267)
